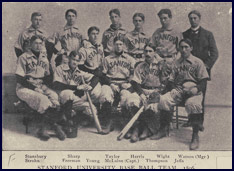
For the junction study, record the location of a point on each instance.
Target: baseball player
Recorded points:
(69, 38)
(112, 32)
(70, 87)
(204, 45)
(117, 69)
(145, 82)
(23, 43)
(92, 54)
(31, 71)
(166, 38)
(187, 81)
(137, 39)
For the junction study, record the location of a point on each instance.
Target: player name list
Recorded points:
(113, 159)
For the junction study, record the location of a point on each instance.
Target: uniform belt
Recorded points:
(169, 56)
(136, 55)
(118, 79)
(149, 87)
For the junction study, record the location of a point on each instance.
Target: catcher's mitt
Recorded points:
(165, 69)
(154, 97)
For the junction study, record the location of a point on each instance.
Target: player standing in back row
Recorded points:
(112, 32)
(23, 43)
(68, 39)
(166, 39)
(137, 39)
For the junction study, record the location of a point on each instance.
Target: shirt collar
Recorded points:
(167, 29)
(155, 61)
(31, 29)
(90, 45)
(66, 27)
(136, 32)
(195, 29)
(189, 59)
(30, 54)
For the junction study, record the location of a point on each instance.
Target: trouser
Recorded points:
(193, 104)
(81, 103)
(37, 101)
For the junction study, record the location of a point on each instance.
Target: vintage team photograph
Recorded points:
(153, 76)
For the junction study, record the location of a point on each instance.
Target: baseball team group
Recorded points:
(66, 78)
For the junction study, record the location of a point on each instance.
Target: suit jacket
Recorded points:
(204, 46)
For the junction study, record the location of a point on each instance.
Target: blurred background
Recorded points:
(216, 17)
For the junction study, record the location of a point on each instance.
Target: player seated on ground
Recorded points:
(117, 70)
(31, 72)
(71, 88)
(92, 54)
(146, 83)
(187, 83)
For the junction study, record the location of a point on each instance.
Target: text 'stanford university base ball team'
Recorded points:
(64, 77)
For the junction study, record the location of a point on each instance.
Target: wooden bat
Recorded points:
(130, 123)
(97, 123)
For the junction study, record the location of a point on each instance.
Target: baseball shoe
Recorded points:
(128, 135)
(163, 132)
(194, 142)
(145, 134)
(109, 128)
(135, 135)
(43, 135)
(59, 132)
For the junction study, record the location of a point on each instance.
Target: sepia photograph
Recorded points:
(117, 76)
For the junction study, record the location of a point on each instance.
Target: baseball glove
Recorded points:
(154, 97)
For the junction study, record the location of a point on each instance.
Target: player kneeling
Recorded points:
(71, 84)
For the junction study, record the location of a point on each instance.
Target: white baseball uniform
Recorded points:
(28, 65)
(65, 75)
(69, 39)
(23, 42)
(146, 75)
(92, 56)
(167, 42)
(108, 37)
(135, 43)
(119, 69)
(191, 69)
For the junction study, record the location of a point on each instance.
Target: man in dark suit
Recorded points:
(204, 46)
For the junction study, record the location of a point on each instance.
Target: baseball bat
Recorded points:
(129, 124)
(97, 123)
